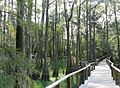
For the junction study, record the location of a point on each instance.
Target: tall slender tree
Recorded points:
(116, 25)
(78, 34)
(94, 36)
(67, 20)
(55, 50)
(19, 34)
(106, 24)
(86, 30)
(90, 32)
(45, 74)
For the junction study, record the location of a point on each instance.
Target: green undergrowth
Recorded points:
(6, 81)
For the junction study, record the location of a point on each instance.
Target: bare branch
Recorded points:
(65, 12)
(71, 12)
(96, 5)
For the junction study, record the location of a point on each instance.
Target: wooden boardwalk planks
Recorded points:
(100, 77)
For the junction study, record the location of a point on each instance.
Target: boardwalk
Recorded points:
(100, 77)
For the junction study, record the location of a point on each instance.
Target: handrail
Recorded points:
(112, 65)
(57, 83)
(115, 71)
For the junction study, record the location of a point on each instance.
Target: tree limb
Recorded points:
(71, 12)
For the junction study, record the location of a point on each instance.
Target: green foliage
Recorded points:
(34, 37)
(6, 80)
(61, 64)
(20, 62)
(34, 84)
(64, 84)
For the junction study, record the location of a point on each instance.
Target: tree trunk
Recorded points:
(40, 36)
(87, 48)
(68, 19)
(19, 34)
(94, 37)
(116, 23)
(78, 36)
(106, 26)
(55, 53)
(45, 74)
(90, 34)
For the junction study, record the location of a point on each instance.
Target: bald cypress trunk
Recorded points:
(106, 26)
(67, 20)
(116, 25)
(94, 37)
(78, 55)
(86, 30)
(41, 36)
(4, 27)
(19, 35)
(19, 29)
(55, 52)
(28, 35)
(45, 74)
(90, 35)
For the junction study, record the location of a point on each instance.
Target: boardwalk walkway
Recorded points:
(100, 78)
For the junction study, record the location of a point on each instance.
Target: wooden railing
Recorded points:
(115, 71)
(81, 75)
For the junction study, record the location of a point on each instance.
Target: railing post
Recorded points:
(58, 86)
(112, 72)
(68, 83)
(119, 79)
(85, 74)
(77, 79)
(116, 77)
(89, 71)
(82, 77)
(94, 66)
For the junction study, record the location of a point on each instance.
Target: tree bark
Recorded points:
(45, 74)
(19, 34)
(67, 20)
(87, 48)
(55, 53)
(78, 55)
(118, 41)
